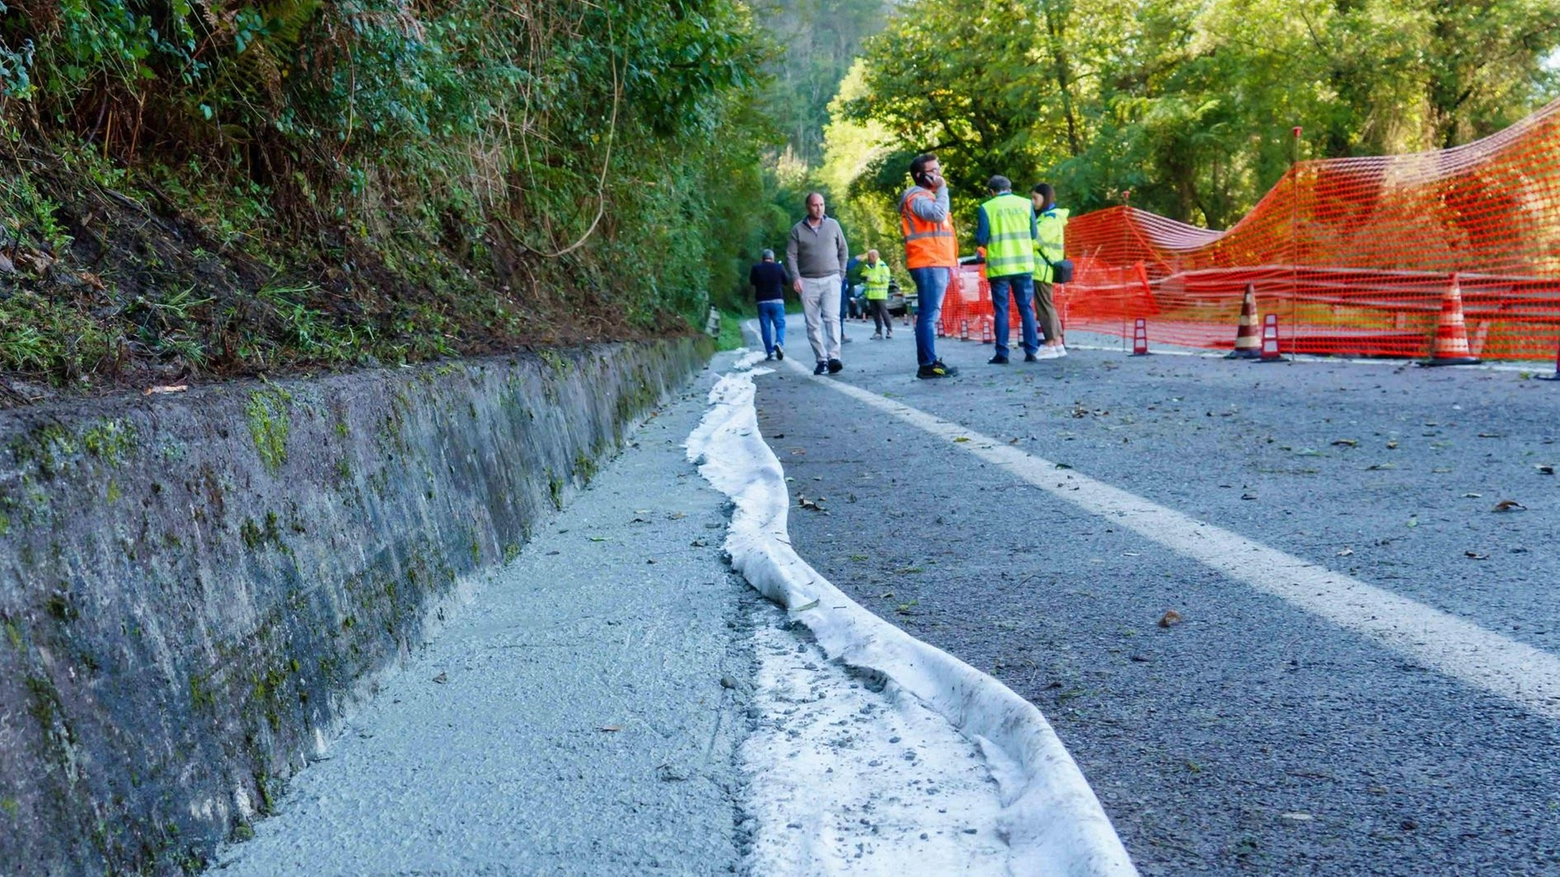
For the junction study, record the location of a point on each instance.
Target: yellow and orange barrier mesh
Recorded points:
(1354, 255)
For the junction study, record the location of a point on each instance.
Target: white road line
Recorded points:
(1429, 637)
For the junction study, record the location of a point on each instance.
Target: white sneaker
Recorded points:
(1047, 352)
(1060, 351)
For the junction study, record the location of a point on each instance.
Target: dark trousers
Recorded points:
(882, 321)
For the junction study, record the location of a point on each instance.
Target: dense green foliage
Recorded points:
(1188, 104)
(373, 177)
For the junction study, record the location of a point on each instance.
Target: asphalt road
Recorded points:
(1251, 736)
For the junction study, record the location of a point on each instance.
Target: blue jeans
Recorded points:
(1023, 286)
(771, 324)
(930, 284)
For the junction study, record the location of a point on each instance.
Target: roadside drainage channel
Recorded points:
(197, 590)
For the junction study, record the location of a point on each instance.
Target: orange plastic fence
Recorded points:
(1356, 256)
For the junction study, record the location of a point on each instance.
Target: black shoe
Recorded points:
(822, 367)
(1030, 357)
(999, 359)
(936, 370)
(779, 352)
(769, 357)
(835, 366)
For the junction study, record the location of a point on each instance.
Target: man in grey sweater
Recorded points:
(817, 254)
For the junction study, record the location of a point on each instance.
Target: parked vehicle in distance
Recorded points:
(898, 302)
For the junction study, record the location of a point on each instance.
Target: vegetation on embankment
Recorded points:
(218, 189)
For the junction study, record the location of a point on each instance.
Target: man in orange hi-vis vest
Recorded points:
(931, 254)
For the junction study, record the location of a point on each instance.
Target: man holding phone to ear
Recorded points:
(931, 254)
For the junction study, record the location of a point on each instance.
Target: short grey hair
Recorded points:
(767, 254)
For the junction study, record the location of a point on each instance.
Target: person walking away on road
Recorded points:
(1007, 230)
(931, 254)
(875, 275)
(1051, 224)
(817, 254)
(768, 279)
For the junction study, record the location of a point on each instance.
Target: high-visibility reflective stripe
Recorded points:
(928, 234)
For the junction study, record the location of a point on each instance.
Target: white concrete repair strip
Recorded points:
(1051, 821)
(1429, 637)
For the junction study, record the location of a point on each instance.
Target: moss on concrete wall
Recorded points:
(196, 590)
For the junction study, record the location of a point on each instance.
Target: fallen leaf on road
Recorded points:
(1296, 817)
(1492, 435)
(1544, 468)
(1392, 446)
(441, 678)
(1473, 496)
(1440, 470)
(1169, 618)
(611, 727)
(1509, 505)
(598, 538)
(1413, 522)
(1347, 443)
(961, 438)
(1346, 552)
(1476, 555)
(1378, 467)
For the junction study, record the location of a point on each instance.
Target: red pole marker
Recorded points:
(964, 330)
(985, 331)
(1556, 375)
(1140, 337)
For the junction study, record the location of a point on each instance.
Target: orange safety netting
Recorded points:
(1354, 255)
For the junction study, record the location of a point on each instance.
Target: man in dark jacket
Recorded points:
(769, 280)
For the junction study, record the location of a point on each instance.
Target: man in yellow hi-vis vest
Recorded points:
(1006, 228)
(876, 276)
(1051, 222)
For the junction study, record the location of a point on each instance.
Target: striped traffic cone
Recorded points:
(985, 330)
(964, 330)
(1140, 337)
(1247, 343)
(1451, 333)
(1270, 352)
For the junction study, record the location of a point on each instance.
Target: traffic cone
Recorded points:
(1247, 344)
(1140, 337)
(1451, 333)
(964, 330)
(985, 330)
(1270, 340)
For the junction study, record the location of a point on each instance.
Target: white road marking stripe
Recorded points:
(1465, 651)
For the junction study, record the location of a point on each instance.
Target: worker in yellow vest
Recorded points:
(1006, 228)
(1050, 249)
(876, 276)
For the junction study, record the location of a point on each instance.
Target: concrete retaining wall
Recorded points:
(196, 589)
